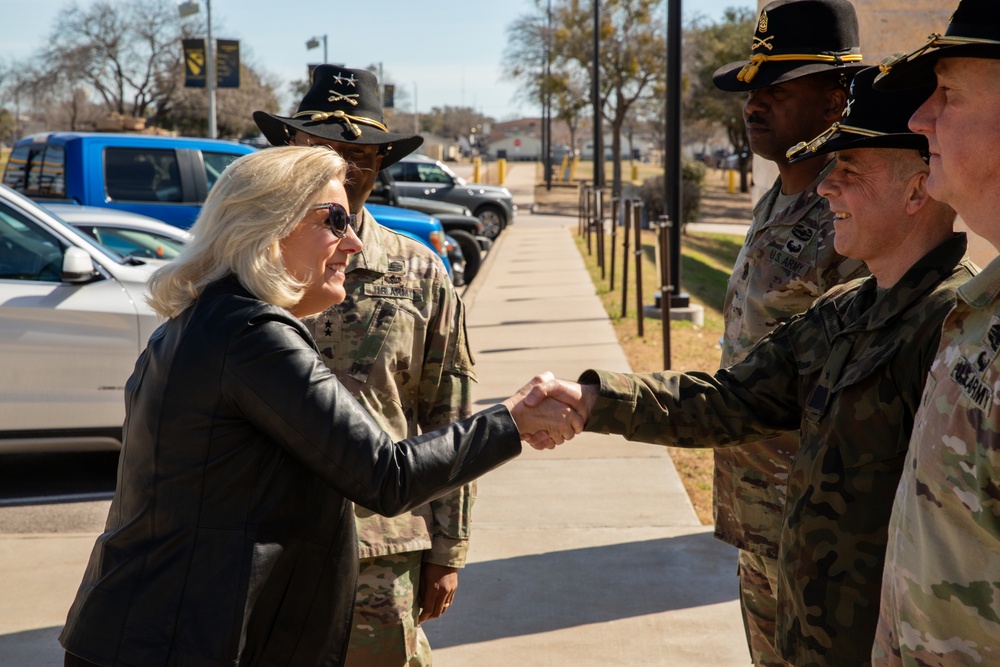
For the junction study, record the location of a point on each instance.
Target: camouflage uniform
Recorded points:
(941, 589)
(848, 373)
(398, 343)
(787, 261)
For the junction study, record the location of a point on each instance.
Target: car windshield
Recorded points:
(90, 241)
(458, 179)
(134, 242)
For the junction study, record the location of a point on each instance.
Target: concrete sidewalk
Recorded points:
(587, 555)
(590, 554)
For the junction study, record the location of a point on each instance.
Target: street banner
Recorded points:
(227, 63)
(388, 96)
(194, 63)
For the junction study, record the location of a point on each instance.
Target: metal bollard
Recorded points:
(477, 165)
(502, 170)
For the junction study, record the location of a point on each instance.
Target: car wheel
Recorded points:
(470, 250)
(493, 220)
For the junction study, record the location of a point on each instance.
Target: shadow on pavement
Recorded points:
(564, 589)
(32, 647)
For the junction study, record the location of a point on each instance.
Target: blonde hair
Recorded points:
(258, 200)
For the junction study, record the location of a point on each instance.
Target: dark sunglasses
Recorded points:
(337, 218)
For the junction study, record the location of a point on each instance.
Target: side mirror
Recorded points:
(77, 266)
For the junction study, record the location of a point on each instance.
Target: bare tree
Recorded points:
(531, 42)
(122, 51)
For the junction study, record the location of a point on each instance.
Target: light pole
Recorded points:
(314, 42)
(188, 8)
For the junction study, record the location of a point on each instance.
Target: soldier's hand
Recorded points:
(543, 423)
(438, 584)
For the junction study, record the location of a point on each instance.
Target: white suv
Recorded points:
(73, 319)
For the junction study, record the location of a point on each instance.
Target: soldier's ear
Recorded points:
(836, 100)
(916, 192)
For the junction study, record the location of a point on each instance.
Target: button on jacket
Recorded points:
(230, 539)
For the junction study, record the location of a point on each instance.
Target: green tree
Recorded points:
(708, 47)
(7, 126)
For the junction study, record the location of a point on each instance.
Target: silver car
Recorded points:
(73, 319)
(127, 234)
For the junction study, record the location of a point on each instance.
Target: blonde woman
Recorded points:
(230, 540)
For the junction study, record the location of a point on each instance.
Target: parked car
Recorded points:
(166, 178)
(456, 259)
(73, 320)
(418, 226)
(420, 176)
(126, 234)
(458, 221)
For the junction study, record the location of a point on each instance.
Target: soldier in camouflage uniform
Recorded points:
(848, 374)
(398, 343)
(941, 588)
(788, 260)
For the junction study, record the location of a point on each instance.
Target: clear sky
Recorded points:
(448, 50)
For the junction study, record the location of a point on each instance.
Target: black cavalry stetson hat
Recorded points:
(973, 32)
(342, 105)
(795, 38)
(872, 119)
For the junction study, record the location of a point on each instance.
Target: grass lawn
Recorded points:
(706, 263)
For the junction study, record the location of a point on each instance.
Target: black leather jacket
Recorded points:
(230, 540)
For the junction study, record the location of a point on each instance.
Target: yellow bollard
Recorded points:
(635, 173)
(563, 167)
(732, 180)
(477, 164)
(501, 170)
(572, 168)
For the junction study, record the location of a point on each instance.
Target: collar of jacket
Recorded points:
(920, 279)
(803, 204)
(984, 288)
(373, 256)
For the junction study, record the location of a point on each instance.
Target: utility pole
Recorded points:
(672, 151)
(213, 131)
(547, 143)
(598, 113)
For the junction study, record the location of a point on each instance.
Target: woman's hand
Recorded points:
(545, 421)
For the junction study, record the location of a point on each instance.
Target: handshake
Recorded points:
(548, 412)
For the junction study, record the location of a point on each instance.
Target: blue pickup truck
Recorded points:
(166, 178)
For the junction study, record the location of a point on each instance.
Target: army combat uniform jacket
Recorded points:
(398, 343)
(941, 589)
(848, 373)
(787, 261)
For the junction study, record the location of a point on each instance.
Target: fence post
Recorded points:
(637, 226)
(614, 238)
(665, 287)
(599, 229)
(627, 222)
